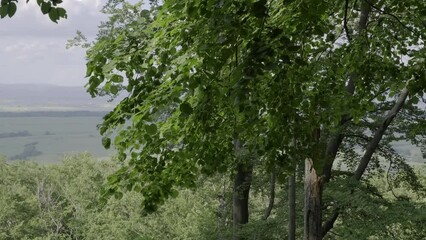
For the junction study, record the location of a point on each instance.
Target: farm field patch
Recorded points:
(48, 139)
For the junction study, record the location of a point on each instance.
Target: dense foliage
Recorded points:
(61, 201)
(200, 75)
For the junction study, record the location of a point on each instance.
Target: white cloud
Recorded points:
(33, 48)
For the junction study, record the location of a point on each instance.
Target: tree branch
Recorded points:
(374, 143)
(393, 16)
(359, 136)
(331, 152)
(345, 21)
(365, 13)
(328, 225)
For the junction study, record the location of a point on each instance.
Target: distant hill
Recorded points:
(38, 97)
(52, 114)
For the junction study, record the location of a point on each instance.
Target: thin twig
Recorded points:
(345, 21)
(388, 178)
(395, 17)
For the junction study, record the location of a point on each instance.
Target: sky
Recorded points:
(32, 48)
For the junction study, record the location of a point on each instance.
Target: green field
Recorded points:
(51, 137)
(59, 133)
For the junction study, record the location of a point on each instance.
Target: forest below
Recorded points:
(64, 201)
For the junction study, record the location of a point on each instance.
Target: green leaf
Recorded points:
(381, 98)
(3, 11)
(61, 12)
(12, 9)
(53, 15)
(186, 108)
(109, 66)
(39, 2)
(151, 129)
(113, 89)
(45, 7)
(106, 142)
(145, 13)
(117, 139)
(116, 78)
(56, 2)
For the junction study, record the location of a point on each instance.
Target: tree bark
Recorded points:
(242, 183)
(292, 207)
(313, 203)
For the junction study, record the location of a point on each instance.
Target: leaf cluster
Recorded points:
(200, 75)
(50, 7)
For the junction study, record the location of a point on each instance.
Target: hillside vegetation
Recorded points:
(63, 201)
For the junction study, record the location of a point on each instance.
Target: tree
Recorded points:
(226, 87)
(50, 7)
(383, 76)
(207, 102)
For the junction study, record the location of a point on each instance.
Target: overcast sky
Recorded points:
(32, 48)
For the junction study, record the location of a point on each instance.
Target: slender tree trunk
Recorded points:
(242, 183)
(313, 203)
(271, 197)
(292, 207)
(374, 143)
(221, 221)
(330, 153)
(335, 141)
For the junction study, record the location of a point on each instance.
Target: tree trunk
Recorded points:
(335, 141)
(292, 207)
(330, 154)
(271, 197)
(313, 203)
(242, 183)
(221, 221)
